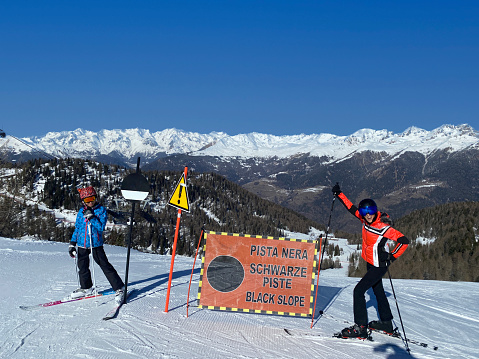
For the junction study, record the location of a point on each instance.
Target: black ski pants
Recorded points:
(100, 258)
(372, 278)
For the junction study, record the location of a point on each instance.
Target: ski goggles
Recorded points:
(89, 199)
(368, 210)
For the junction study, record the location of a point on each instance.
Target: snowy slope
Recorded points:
(129, 143)
(31, 272)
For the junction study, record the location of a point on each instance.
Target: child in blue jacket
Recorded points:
(88, 236)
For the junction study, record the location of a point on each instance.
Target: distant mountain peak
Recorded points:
(125, 145)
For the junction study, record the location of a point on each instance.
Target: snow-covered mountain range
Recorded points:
(403, 172)
(125, 145)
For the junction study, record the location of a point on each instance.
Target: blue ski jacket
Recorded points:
(81, 235)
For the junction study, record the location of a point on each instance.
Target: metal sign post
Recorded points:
(134, 188)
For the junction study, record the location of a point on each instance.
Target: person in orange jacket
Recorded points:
(376, 231)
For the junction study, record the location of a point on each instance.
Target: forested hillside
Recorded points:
(445, 244)
(215, 204)
(444, 238)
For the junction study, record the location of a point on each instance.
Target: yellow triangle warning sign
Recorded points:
(179, 199)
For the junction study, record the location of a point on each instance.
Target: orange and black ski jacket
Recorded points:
(375, 235)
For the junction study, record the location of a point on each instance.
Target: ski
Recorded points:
(340, 336)
(302, 334)
(397, 334)
(66, 300)
(114, 312)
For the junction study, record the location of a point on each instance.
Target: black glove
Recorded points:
(386, 257)
(88, 213)
(72, 249)
(336, 189)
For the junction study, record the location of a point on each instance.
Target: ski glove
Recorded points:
(336, 189)
(88, 213)
(386, 257)
(72, 249)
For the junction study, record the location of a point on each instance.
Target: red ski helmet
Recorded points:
(87, 192)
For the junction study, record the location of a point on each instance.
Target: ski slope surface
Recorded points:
(440, 314)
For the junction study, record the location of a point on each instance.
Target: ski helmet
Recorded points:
(87, 192)
(367, 206)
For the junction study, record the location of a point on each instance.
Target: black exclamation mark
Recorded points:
(179, 194)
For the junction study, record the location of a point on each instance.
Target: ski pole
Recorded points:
(322, 254)
(76, 270)
(92, 259)
(399, 313)
(327, 231)
(192, 270)
(317, 280)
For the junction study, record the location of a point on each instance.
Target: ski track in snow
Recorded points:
(33, 272)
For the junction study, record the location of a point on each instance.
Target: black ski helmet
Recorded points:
(367, 206)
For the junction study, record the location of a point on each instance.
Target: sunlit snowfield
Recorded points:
(442, 314)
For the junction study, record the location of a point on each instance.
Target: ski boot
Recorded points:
(355, 331)
(81, 292)
(119, 296)
(385, 326)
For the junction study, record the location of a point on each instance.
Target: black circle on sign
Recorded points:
(225, 273)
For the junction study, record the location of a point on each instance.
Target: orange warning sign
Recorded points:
(257, 274)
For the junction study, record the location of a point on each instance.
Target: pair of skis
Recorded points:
(395, 334)
(110, 315)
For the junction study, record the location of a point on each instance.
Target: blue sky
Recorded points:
(277, 67)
